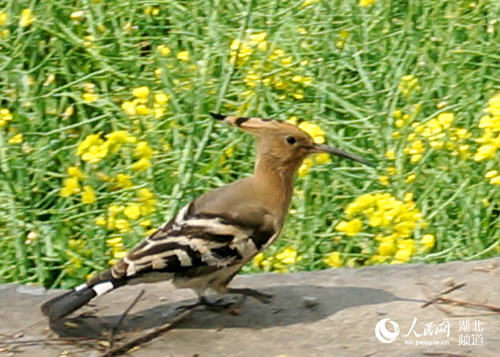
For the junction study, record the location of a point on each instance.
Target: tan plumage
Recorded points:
(211, 238)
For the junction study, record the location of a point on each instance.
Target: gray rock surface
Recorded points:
(325, 313)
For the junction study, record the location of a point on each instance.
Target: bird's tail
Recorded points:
(65, 304)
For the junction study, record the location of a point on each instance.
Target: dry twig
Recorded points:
(447, 291)
(146, 337)
(119, 323)
(467, 303)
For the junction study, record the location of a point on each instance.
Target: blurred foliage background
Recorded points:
(104, 131)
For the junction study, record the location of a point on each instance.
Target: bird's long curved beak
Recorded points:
(337, 152)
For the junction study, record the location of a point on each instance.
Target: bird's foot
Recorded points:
(216, 305)
(258, 295)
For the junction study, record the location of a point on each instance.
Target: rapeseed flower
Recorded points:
(427, 242)
(318, 136)
(90, 97)
(141, 92)
(490, 124)
(122, 181)
(409, 84)
(141, 165)
(70, 187)
(164, 50)
(333, 260)
(16, 139)
(75, 171)
(96, 153)
(27, 18)
(132, 211)
(405, 250)
(88, 195)
(3, 18)
(143, 150)
(5, 116)
(183, 56)
(365, 3)
(350, 228)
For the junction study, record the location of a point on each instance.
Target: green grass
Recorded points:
(356, 57)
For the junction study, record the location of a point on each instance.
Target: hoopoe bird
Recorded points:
(209, 240)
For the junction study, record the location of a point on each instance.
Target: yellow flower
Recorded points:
(257, 260)
(309, 2)
(120, 137)
(27, 18)
(252, 79)
(406, 249)
(491, 174)
(96, 153)
(333, 260)
(161, 98)
(350, 228)
(3, 18)
(485, 152)
(427, 242)
(495, 180)
(141, 109)
(129, 107)
(445, 119)
(69, 111)
(410, 178)
(304, 168)
(145, 223)
(141, 92)
(5, 116)
(314, 131)
(365, 3)
(90, 97)
(75, 171)
(298, 95)
(88, 195)
(132, 211)
(123, 181)
(360, 204)
(144, 194)
(387, 246)
(158, 112)
(390, 155)
(100, 221)
(322, 158)
(288, 256)
(77, 15)
(183, 56)
(408, 84)
(384, 180)
(141, 165)
(70, 186)
(16, 139)
(114, 242)
(164, 50)
(143, 150)
(123, 225)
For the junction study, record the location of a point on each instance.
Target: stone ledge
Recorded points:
(348, 305)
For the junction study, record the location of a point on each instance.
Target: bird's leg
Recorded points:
(258, 295)
(216, 305)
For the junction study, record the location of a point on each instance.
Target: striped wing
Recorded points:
(191, 242)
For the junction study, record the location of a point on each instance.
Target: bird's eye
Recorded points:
(291, 140)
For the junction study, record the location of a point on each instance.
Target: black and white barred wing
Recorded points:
(190, 242)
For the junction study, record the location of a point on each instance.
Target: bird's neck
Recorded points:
(275, 180)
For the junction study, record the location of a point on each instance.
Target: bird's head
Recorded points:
(283, 141)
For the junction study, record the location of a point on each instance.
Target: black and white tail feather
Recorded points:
(197, 251)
